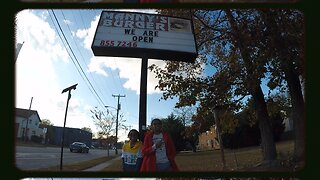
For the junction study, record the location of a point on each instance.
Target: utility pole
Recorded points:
(26, 132)
(118, 109)
(68, 89)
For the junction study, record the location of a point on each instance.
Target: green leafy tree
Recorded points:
(242, 47)
(45, 123)
(245, 41)
(191, 132)
(191, 135)
(228, 45)
(284, 30)
(87, 129)
(174, 126)
(247, 131)
(185, 113)
(106, 124)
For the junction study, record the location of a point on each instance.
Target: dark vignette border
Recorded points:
(8, 90)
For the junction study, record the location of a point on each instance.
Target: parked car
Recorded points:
(79, 147)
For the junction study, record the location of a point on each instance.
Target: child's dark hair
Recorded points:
(133, 130)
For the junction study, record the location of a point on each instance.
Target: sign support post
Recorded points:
(143, 97)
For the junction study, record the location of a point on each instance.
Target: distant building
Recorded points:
(27, 124)
(209, 140)
(54, 136)
(288, 127)
(288, 124)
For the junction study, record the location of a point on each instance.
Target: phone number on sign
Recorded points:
(118, 43)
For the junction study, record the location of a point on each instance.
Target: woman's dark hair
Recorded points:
(156, 119)
(135, 131)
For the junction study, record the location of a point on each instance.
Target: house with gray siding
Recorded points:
(27, 124)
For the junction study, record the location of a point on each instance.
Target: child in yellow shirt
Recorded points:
(131, 152)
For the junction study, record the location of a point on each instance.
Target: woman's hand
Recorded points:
(159, 143)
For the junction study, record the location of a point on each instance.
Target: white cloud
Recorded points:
(38, 33)
(129, 71)
(98, 67)
(88, 34)
(81, 33)
(129, 68)
(68, 22)
(37, 74)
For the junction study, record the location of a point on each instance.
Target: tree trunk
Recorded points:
(267, 141)
(298, 115)
(295, 90)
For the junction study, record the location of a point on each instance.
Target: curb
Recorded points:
(101, 166)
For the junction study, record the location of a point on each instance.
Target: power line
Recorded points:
(76, 62)
(75, 58)
(83, 59)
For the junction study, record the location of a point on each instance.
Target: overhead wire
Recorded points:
(94, 14)
(85, 63)
(74, 58)
(82, 73)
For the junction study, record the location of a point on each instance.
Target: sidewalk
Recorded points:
(101, 166)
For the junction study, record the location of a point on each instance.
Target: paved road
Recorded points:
(31, 158)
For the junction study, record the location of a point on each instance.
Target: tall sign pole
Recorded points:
(73, 87)
(143, 98)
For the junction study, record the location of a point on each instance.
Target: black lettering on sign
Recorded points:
(129, 31)
(150, 33)
(145, 39)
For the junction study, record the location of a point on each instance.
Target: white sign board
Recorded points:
(130, 34)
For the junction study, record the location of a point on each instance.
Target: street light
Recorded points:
(68, 89)
(118, 109)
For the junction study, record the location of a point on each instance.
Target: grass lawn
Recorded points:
(244, 159)
(236, 160)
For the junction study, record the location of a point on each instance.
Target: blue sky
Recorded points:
(45, 66)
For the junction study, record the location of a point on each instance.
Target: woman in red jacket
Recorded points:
(158, 150)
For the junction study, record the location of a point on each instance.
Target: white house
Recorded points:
(27, 123)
